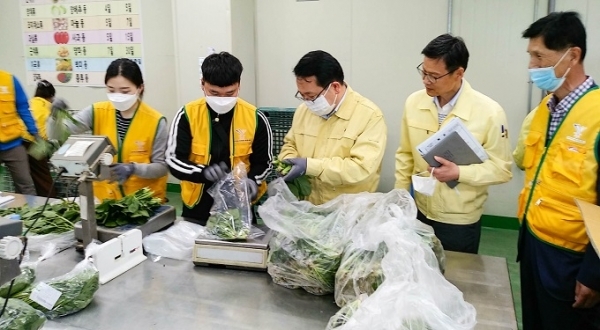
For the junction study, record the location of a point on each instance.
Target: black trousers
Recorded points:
(541, 310)
(459, 238)
(40, 173)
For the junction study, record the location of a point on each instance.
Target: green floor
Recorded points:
(494, 242)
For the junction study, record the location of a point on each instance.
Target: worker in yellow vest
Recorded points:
(210, 135)
(136, 130)
(560, 271)
(14, 110)
(41, 106)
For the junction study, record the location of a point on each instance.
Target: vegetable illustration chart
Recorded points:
(72, 42)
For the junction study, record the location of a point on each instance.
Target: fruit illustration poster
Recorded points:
(71, 43)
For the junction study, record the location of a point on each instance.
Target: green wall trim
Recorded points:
(496, 221)
(490, 221)
(173, 187)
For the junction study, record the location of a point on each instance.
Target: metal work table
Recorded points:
(171, 294)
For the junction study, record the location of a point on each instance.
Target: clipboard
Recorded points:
(591, 218)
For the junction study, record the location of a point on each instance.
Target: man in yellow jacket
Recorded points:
(337, 136)
(560, 270)
(454, 214)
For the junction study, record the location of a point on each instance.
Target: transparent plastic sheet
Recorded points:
(305, 252)
(20, 316)
(51, 244)
(414, 294)
(231, 213)
(345, 313)
(176, 242)
(360, 271)
(77, 288)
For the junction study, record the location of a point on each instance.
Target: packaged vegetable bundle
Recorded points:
(75, 290)
(344, 314)
(231, 213)
(20, 316)
(21, 282)
(306, 250)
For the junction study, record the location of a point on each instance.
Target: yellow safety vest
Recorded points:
(10, 122)
(40, 110)
(560, 171)
(243, 128)
(136, 147)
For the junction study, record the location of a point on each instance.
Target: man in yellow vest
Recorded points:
(210, 135)
(337, 136)
(560, 271)
(14, 110)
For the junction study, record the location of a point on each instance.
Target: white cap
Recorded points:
(10, 247)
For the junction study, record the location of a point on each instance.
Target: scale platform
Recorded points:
(164, 216)
(251, 254)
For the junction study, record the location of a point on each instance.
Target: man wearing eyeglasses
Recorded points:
(337, 136)
(454, 214)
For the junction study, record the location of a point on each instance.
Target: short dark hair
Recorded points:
(452, 50)
(45, 90)
(222, 69)
(126, 68)
(321, 65)
(560, 30)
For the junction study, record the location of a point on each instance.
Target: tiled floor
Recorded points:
(494, 242)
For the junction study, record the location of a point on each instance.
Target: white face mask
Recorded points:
(221, 105)
(121, 101)
(424, 184)
(320, 106)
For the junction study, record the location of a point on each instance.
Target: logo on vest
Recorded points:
(3, 89)
(579, 129)
(241, 135)
(141, 145)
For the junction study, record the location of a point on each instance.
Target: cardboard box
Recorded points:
(591, 218)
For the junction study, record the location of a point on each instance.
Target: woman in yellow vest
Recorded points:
(40, 106)
(137, 131)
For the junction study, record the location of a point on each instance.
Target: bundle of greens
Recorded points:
(343, 315)
(135, 209)
(22, 281)
(228, 225)
(303, 263)
(434, 243)
(41, 148)
(231, 214)
(20, 316)
(360, 273)
(56, 218)
(300, 186)
(77, 290)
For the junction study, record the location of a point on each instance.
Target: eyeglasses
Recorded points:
(312, 100)
(429, 77)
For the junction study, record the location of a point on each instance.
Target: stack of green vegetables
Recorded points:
(360, 273)
(20, 316)
(56, 218)
(77, 290)
(45, 148)
(135, 209)
(300, 186)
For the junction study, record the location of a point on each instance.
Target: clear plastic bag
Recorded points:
(20, 316)
(176, 242)
(51, 244)
(77, 288)
(345, 313)
(231, 213)
(305, 252)
(414, 294)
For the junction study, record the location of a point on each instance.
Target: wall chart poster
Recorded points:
(72, 42)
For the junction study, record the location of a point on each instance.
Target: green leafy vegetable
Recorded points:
(300, 186)
(20, 316)
(22, 281)
(56, 218)
(132, 209)
(41, 148)
(228, 225)
(77, 291)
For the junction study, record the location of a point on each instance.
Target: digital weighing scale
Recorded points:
(250, 254)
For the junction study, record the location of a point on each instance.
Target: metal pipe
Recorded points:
(450, 12)
(551, 6)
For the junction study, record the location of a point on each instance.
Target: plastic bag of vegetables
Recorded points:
(75, 290)
(21, 282)
(307, 248)
(231, 213)
(20, 316)
(344, 314)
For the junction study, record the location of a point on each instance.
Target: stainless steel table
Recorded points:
(171, 294)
